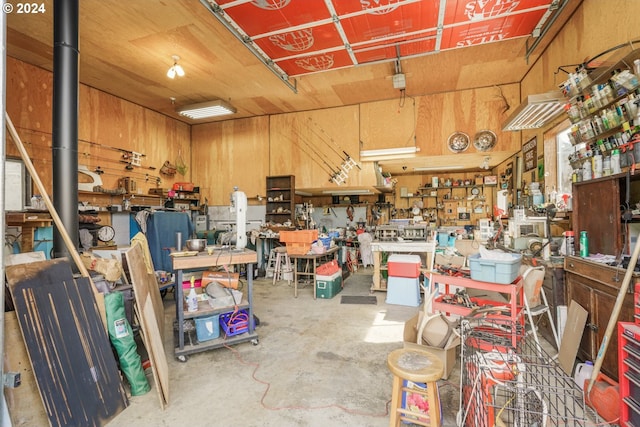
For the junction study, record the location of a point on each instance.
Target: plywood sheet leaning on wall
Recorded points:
(24, 404)
(151, 314)
(68, 347)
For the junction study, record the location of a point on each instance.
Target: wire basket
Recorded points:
(506, 385)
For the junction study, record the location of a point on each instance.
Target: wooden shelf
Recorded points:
(280, 186)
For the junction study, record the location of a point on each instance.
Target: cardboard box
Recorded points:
(447, 355)
(226, 279)
(452, 260)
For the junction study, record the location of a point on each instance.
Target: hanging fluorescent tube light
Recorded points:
(437, 168)
(346, 192)
(536, 111)
(388, 153)
(204, 110)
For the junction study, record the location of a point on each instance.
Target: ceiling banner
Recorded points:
(309, 36)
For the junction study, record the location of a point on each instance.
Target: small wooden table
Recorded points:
(311, 259)
(28, 221)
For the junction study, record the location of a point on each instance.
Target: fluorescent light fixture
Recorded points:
(346, 192)
(206, 109)
(303, 193)
(536, 111)
(388, 152)
(437, 168)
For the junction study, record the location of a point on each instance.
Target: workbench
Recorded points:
(310, 259)
(28, 221)
(418, 247)
(203, 261)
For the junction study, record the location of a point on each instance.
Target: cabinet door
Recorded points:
(580, 292)
(596, 210)
(603, 310)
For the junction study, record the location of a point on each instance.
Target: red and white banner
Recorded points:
(308, 36)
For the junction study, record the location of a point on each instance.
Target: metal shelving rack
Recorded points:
(203, 261)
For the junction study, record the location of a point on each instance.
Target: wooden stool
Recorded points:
(417, 366)
(282, 269)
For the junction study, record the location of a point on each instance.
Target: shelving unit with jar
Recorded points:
(603, 109)
(280, 199)
(455, 205)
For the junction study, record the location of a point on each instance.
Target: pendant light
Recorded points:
(176, 69)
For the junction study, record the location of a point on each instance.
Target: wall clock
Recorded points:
(106, 233)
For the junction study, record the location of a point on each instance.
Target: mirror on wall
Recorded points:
(17, 185)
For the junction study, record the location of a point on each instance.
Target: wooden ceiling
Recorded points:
(126, 48)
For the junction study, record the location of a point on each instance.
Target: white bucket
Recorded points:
(582, 373)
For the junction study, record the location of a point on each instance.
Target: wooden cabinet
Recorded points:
(595, 287)
(280, 199)
(596, 210)
(554, 290)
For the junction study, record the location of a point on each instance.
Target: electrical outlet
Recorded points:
(12, 379)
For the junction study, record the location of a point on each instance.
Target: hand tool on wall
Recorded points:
(54, 215)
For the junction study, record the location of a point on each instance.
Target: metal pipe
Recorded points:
(65, 121)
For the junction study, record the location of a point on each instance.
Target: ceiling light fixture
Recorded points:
(204, 110)
(388, 153)
(485, 163)
(536, 111)
(176, 69)
(347, 192)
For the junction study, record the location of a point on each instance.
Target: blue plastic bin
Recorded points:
(495, 271)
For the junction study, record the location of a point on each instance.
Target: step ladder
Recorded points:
(271, 265)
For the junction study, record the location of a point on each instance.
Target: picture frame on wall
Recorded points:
(491, 180)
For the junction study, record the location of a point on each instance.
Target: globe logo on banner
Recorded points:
(477, 10)
(316, 63)
(295, 41)
(271, 4)
(372, 4)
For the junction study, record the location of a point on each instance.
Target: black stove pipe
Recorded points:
(65, 121)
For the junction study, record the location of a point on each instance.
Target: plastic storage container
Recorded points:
(582, 373)
(299, 241)
(234, 323)
(207, 328)
(328, 286)
(403, 265)
(403, 291)
(494, 271)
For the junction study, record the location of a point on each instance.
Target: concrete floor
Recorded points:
(318, 363)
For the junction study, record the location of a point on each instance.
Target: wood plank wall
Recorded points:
(243, 152)
(104, 121)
